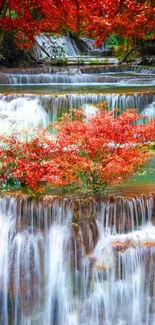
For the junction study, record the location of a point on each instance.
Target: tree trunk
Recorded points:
(10, 54)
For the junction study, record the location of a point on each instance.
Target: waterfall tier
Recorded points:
(73, 78)
(66, 261)
(103, 74)
(18, 111)
(55, 104)
(123, 68)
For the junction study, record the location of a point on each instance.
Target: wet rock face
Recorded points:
(117, 215)
(35, 70)
(4, 79)
(114, 210)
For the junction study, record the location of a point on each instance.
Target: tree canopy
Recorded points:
(98, 19)
(127, 18)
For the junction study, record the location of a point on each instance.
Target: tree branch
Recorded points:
(124, 59)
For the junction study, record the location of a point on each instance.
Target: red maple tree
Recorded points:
(90, 154)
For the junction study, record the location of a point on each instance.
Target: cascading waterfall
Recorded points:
(50, 47)
(16, 111)
(47, 74)
(117, 286)
(34, 109)
(83, 75)
(122, 291)
(70, 78)
(54, 47)
(72, 261)
(59, 305)
(29, 255)
(67, 262)
(59, 78)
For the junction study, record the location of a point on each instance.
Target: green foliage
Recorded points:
(58, 50)
(98, 61)
(121, 51)
(12, 14)
(62, 61)
(150, 146)
(90, 182)
(113, 41)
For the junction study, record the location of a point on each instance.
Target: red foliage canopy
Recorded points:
(28, 18)
(126, 18)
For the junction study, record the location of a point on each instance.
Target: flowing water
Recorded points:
(30, 98)
(72, 262)
(48, 47)
(102, 273)
(35, 108)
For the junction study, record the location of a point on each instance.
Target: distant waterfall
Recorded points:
(58, 268)
(55, 47)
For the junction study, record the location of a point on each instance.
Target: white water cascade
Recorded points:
(20, 112)
(149, 111)
(28, 109)
(75, 78)
(54, 47)
(48, 47)
(102, 272)
(109, 74)
(37, 96)
(60, 78)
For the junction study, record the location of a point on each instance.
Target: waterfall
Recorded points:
(29, 255)
(66, 261)
(122, 292)
(59, 305)
(54, 47)
(56, 74)
(19, 112)
(74, 77)
(149, 111)
(34, 109)
(81, 74)
(93, 50)
(92, 44)
(62, 78)
(98, 75)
